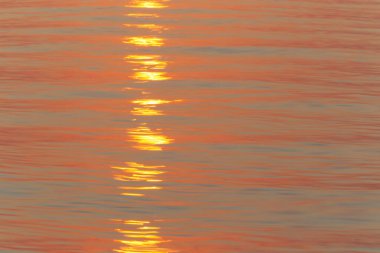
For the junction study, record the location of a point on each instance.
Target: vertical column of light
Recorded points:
(140, 236)
(147, 68)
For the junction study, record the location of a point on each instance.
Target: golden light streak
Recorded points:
(154, 102)
(136, 222)
(146, 4)
(138, 173)
(153, 64)
(142, 188)
(148, 139)
(147, 66)
(142, 57)
(139, 236)
(150, 76)
(144, 41)
(143, 15)
(146, 62)
(132, 173)
(136, 232)
(147, 106)
(132, 194)
(151, 27)
(146, 111)
(144, 236)
(137, 178)
(143, 166)
(148, 228)
(141, 239)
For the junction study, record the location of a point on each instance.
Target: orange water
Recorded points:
(210, 126)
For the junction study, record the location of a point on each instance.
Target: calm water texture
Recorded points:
(193, 126)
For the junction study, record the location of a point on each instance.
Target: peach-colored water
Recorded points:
(190, 126)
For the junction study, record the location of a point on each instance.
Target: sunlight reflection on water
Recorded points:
(189, 126)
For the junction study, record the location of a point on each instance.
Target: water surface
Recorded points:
(189, 126)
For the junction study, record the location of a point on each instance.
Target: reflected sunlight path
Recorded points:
(141, 236)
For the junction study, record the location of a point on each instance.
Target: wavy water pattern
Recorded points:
(202, 126)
